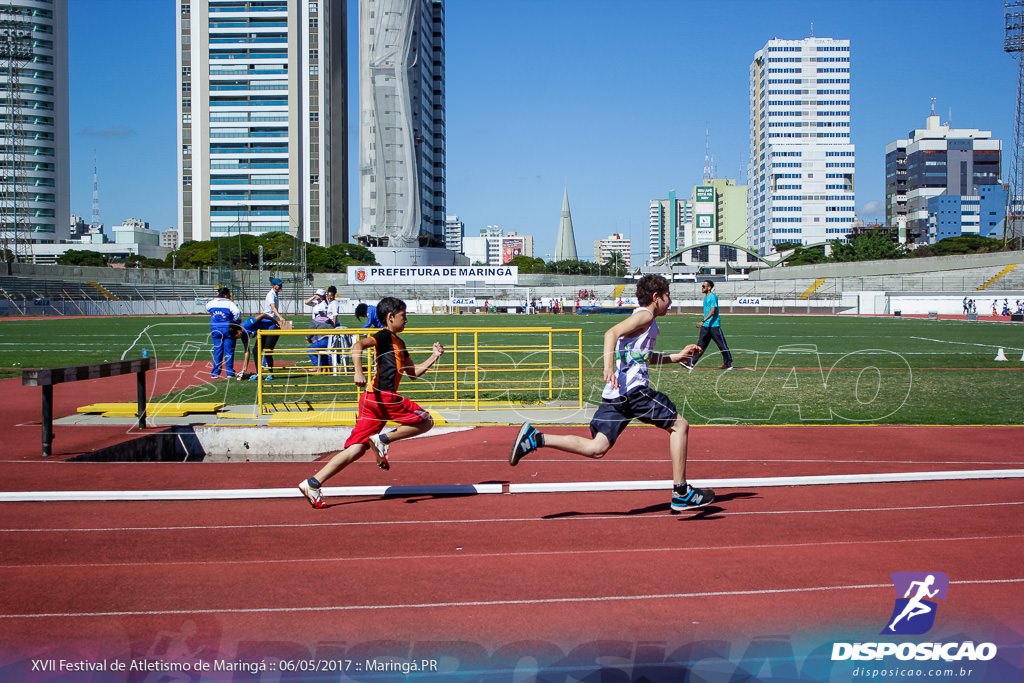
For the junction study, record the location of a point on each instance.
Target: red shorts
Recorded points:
(377, 408)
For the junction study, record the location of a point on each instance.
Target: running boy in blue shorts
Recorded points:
(628, 353)
(381, 402)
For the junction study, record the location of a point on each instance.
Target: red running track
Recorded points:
(478, 581)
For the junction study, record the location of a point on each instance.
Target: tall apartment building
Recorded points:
(670, 226)
(263, 142)
(719, 212)
(35, 204)
(454, 231)
(169, 238)
(800, 178)
(932, 161)
(401, 119)
(485, 248)
(613, 244)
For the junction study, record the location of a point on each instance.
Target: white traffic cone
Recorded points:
(1001, 355)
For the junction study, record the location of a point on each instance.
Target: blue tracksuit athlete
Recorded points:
(223, 312)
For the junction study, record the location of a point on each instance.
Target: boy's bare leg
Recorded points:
(678, 433)
(580, 445)
(409, 430)
(340, 461)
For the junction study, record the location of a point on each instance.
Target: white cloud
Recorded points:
(872, 209)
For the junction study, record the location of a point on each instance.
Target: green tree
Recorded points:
(137, 261)
(81, 257)
(528, 264)
(338, 257)
(193, 254)
(803, 256)
(870, 246)
(615, 265)
(961, 244)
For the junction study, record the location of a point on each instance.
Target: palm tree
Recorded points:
(617, 262)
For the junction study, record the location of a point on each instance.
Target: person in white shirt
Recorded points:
(271, 308)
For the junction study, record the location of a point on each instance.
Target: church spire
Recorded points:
(565, 243)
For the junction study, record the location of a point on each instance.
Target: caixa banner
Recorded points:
(435, 275)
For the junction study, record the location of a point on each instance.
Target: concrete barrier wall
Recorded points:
(931, 264)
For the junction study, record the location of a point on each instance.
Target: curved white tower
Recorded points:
(401, 123)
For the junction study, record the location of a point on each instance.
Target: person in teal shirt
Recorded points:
(711, 327)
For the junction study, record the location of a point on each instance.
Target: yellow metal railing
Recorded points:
(481, 366)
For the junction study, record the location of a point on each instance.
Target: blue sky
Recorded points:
(609, 99)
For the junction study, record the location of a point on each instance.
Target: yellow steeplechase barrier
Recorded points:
(813, 288)
(482, 367)
(995, 278)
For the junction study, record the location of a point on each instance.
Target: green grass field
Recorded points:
(789, 369)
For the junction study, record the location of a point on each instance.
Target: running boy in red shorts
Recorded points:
(381, 403)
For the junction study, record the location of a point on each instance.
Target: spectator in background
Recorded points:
(223, 314)
(320, 321)
(341, 343)
(271, 309)
(245, 331)
(711, 327)
(370, 313)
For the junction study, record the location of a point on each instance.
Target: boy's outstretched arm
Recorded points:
(418, 370)
(689, 352)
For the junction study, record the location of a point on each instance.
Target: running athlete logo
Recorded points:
(914, 612)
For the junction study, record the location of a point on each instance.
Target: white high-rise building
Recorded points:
(454, 231)
(401, 120)
(35, 194)
(671, 223)
(614, 244)
(800, 174)
(262, 119)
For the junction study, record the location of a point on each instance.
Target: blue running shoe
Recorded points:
(527, 441)
(690, 498)
(268, 378)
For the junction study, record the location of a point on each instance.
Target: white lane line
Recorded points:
(237, 494)
(759, 482)
(947, 341)
(485, 603)
(460, 555)
(471, 489)
(658, 517)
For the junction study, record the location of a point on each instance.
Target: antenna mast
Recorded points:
(708, 173)
(95, 193)
(1013, 226)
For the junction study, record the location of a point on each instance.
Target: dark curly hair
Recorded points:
(648, 286)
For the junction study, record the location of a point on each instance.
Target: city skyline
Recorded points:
(544, 96)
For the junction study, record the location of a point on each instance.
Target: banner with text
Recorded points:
(433, 275)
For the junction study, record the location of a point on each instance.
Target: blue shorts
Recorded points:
(643, 403)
